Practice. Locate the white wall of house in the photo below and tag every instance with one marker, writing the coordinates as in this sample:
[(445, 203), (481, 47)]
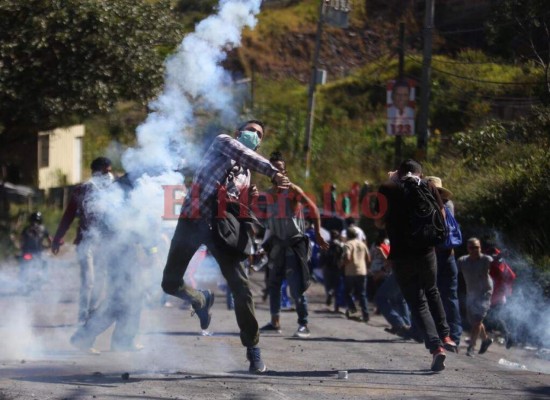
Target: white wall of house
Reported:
[(60, 156)]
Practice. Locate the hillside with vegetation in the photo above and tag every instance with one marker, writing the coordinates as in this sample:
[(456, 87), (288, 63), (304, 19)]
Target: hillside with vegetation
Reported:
[(489, 114)]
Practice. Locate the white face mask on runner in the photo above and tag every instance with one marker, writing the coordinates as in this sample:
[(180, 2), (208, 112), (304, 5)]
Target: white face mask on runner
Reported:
[(102, 180)]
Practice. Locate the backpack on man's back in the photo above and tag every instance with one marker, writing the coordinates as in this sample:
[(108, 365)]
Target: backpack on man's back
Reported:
[(454, 235), (426, 225)]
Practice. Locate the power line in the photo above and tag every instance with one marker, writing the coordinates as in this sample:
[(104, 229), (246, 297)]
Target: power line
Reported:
[(463, 62), (477, 80), (457, 32)]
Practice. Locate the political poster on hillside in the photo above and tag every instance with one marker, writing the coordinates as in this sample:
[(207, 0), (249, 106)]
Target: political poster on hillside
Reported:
[(400, 105)]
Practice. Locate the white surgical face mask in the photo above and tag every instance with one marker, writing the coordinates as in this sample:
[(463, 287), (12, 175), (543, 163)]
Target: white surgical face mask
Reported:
[(102, 180)]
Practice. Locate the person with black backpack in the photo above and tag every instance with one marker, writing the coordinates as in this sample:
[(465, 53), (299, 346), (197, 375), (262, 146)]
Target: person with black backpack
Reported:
[(223, 174), (412, 214)]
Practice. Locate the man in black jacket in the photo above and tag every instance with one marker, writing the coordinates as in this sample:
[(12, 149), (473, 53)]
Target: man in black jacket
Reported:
[(415, 267)]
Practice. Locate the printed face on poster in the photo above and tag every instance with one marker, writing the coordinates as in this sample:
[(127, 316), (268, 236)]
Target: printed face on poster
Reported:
[(400, 105)]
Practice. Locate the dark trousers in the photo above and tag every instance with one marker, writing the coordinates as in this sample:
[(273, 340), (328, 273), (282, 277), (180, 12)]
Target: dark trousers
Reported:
[(447, 283), (356, 287), (331, 276), (189, 235), (292, 272), (495, 319), (416, 276)]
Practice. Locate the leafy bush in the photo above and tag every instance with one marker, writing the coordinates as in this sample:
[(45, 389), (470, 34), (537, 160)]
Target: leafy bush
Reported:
[(501, 183)]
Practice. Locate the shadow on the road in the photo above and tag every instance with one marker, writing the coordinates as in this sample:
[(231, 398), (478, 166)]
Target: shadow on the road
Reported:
[(539, 392), (39, 326), (333, 373), (99, 379), (330, 313), (95, 379), (195, 333), (348, 340)]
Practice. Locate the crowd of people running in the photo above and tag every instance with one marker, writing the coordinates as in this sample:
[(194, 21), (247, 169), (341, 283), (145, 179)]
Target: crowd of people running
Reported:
[(414, 287)]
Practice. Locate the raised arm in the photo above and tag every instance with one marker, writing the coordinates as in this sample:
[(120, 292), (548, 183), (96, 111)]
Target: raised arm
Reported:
[(300, 196), (247, 158)]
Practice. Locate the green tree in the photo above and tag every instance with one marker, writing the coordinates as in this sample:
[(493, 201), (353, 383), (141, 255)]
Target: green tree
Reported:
[(500, 181), (62, 60), (521, 29)]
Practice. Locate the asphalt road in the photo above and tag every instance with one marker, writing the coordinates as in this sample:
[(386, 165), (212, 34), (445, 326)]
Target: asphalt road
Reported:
[(37, 361)]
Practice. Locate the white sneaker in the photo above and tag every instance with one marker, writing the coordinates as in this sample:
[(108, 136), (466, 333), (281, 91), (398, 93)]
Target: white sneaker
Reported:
[(302, 332)]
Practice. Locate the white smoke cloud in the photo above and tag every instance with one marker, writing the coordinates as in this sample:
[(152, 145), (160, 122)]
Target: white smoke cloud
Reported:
[(17, 333), (194, 78), (131, 213)]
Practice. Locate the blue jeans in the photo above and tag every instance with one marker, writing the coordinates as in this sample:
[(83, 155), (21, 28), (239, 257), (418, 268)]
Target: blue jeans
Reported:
[(416, 276), (392, 304), (285, 300), (356, 287), (293, 274), (447, 283)]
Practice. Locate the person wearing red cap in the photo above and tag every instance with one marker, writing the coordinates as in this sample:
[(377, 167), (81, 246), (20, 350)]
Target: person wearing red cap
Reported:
[(503, 277)]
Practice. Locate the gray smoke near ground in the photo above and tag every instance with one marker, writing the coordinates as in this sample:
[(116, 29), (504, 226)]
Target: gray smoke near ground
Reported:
[(131, 212), (527, 310)]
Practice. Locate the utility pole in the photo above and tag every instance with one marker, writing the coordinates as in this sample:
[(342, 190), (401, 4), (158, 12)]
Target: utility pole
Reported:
[(422, 139), (401, 51), (312, 87), (252, 88)]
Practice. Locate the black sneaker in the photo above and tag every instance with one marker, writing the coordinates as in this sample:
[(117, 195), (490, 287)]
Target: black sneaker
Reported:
[(270, 328), (485, 345), (253, 355), (438, 360), (204, 313), (470, 351), (450, 345), (302, 332), (402, 332)]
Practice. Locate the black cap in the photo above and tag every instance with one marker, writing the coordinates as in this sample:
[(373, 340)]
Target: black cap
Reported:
[(410, 165), (100, 164), (35, 217)]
